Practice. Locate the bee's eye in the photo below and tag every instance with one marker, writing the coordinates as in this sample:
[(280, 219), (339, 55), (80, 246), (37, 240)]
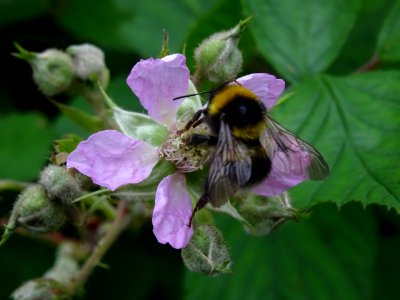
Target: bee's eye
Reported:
[(242, 110)]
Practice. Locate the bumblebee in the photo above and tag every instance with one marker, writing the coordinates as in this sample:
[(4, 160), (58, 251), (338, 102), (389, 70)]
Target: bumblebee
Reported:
[(246, 142)]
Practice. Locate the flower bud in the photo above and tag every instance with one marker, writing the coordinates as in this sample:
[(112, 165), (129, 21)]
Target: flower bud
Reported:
[(41, 288), (60, 185), (53, 70), (218, 57), (264, 214), (207, 252), (36, 212), (89, 63)]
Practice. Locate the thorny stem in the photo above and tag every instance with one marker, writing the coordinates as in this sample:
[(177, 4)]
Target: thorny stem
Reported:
[(371, 64), (121, 221)]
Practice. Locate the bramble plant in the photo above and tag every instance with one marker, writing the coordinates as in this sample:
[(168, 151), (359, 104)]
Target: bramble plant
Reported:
[(134, 167)]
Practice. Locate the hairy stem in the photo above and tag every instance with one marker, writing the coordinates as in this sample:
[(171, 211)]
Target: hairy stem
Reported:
[(96, 100), (119, 224), (13, 185), (371, 64), (197, 79)]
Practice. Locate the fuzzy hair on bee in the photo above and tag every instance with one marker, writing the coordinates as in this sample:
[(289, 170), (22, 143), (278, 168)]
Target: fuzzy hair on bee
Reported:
[(246, 141)]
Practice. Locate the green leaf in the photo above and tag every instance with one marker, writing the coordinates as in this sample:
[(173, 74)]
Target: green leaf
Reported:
[(25, 145), (132, 25), (64, 125), (13, 11), (354, 122), (83, 119), (329, 256), (388, 45), (67, 144), (361, 42), (301, 38)]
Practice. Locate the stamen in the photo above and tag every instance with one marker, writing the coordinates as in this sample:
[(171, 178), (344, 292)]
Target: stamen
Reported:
[(187, 158)]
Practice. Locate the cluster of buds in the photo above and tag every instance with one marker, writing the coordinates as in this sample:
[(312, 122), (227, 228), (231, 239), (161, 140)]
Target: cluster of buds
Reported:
[(41, 207), (55, 71)]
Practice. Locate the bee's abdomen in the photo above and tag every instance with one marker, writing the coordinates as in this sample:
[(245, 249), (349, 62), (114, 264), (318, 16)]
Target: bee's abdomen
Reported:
[(260, 163)]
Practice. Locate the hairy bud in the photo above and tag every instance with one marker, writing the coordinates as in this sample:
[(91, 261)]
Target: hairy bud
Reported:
[(89, 63), (218, 57), (264, 214), (60, 185), (53, 70), (36, 212), (207, 252)]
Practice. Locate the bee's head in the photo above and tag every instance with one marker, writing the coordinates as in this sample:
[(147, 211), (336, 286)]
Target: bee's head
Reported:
[(240, 106)]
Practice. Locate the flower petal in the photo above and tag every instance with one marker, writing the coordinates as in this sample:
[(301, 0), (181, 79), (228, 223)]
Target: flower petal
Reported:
[(156, 82), (288, 169), (191, 104), (172, 212), (267, 87), (112, 159)]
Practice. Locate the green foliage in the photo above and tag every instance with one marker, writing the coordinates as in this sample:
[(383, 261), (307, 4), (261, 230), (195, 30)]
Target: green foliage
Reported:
[(354, 122), (20, 132), (67, 144), (329, 256), (20, 10), (132, 25), (301, 38), (81, 118), (388, 40)]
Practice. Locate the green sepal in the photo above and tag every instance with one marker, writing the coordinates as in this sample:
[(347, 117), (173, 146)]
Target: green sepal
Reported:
[(146, 189), (137, 125), (67, 144)]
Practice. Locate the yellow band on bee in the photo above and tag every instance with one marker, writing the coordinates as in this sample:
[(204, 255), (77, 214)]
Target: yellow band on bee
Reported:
[(226, 95), (252, 132)]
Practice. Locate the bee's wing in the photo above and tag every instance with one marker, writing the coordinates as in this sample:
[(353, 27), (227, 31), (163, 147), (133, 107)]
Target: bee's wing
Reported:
[(293, 160), (230, 167)]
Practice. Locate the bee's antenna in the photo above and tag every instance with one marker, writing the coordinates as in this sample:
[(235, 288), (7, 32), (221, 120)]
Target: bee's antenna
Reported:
[(209, 92), (190, 95)]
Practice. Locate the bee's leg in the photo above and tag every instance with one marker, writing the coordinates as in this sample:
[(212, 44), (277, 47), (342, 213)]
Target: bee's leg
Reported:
[(198, 139), (194, 121), (199, 205)]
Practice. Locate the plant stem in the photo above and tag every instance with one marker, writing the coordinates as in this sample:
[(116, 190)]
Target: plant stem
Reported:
[(197, 79), (371, 64), (96, 100), (13, 185), (95, 193), (121, 221)]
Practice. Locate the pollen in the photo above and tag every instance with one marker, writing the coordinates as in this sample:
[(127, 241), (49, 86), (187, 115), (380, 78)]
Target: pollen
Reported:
[(186, 158)]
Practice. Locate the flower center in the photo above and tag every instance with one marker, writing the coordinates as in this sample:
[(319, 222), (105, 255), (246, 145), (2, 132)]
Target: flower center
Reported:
[(187, 158)]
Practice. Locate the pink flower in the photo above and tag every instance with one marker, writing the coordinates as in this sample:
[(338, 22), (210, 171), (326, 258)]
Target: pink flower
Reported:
[(113, 159)]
